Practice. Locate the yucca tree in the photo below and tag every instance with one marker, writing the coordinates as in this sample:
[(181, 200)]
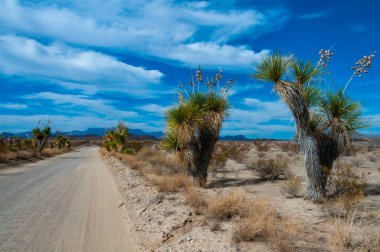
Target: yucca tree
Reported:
[(41, 136), (116, 139), (193, 126), (325, 121)]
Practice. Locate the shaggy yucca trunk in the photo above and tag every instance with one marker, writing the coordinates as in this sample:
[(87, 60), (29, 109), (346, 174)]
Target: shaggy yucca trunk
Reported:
[(205, 149), (292, 95)]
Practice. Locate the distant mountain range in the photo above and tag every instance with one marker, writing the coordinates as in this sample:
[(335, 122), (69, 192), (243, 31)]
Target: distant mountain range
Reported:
[(101, 131)]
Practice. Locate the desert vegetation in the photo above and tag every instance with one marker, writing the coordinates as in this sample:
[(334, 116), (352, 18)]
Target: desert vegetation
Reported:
[(35, 146), (325, 120)]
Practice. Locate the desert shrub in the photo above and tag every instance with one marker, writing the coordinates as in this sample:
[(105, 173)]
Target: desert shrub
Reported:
[(346, 188), (226, 207), (272, 168), (195, 200), (291, 188), (345, 235), (24, 154), (286, 146), (263, 223), (372, 158), (262, 146), (50, 152), (136, 146), (357, 162), (131, 161), (7, 156), (173, 183)]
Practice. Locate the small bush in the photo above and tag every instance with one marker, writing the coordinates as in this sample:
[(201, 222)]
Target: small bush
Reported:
[(174, 183), (346, 188), (272, 168), (345, 235), (51, 152), (357, 162), (24, 155), (131, 161), (7, 156), (372, 158), (226, 207), (195, 200), (262, 146), (291, 188), (262, 223)]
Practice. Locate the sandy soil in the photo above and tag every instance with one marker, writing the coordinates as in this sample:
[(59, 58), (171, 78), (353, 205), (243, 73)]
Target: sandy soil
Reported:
[(165, 222), (65, 203)]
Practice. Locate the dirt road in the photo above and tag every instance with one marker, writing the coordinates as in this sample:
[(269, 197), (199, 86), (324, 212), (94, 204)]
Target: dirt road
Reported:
[(65, 203)]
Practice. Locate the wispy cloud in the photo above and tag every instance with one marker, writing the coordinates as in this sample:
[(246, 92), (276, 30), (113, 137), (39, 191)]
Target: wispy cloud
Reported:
[(23, 56), (314, 15), (145, 28), (13, 106), (80, 104)]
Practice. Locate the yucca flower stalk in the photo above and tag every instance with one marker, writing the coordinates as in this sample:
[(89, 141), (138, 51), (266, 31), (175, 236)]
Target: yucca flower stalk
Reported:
[(325, 120), (193, 126)]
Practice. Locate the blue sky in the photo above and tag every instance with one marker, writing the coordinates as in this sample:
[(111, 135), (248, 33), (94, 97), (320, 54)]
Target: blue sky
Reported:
[(92, 63)]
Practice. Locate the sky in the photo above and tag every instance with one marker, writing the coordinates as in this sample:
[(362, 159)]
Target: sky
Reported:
[(91, 63)]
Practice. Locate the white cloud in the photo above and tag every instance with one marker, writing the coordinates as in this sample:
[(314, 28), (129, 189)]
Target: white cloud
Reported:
[(154, 108), (210, 55), (82, 103), (163, 29), (23, 56), (262, 118), (314, 15), (13, 106)]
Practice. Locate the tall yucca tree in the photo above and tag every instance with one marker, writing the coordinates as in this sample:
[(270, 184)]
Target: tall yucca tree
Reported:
[(325, 122), (193, 126)]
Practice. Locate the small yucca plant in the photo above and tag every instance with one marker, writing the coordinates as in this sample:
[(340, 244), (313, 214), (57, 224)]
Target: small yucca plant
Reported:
[(116, 139), (193, 126), (41, 136)]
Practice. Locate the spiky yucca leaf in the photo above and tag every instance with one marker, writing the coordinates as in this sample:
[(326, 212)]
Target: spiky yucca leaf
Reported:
[(342, 116), (312, 95), (170, 141), (272, 67), (304, 71)]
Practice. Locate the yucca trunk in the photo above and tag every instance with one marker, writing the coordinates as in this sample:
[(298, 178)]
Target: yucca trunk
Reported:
[(41, 144), (204, 150), (292, 95)]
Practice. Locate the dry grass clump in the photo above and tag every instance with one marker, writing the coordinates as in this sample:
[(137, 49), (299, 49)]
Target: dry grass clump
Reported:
[(24, 154), (345, 235), (223, 151), (173, 183), (346, 188), (272, 169), (131, 161), (372, 158), (357, 162), (7, 156), (263, 223), (287, 146), (226, 207), (292, 187), (262, 146), (195, 200), (51, 152)]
